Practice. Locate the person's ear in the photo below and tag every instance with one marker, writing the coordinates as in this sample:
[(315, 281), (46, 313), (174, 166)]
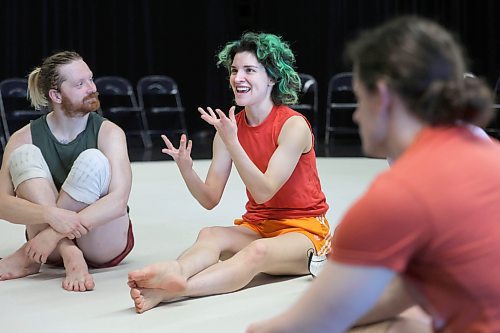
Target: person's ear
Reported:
[(385, 96), (55, 96)]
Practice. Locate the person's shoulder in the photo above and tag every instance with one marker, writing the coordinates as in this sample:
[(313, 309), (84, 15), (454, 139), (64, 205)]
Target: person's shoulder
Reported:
[(108, 125), (108, 128), (21, 136), (286, 113), (391, 194)]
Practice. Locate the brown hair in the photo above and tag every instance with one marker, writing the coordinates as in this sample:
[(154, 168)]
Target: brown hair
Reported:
[(423, 63), (47, 77)]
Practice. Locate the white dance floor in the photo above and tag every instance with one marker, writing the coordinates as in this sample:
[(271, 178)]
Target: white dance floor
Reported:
[(166, 220)]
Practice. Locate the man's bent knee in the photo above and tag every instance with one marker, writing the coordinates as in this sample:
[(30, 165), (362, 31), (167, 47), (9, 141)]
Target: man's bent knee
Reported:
[(89, 177), (27, 162)]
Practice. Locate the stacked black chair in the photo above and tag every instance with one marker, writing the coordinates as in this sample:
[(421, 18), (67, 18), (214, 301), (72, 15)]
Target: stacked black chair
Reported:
[(340, 105), (160, 98), (15, 109), (119, 104), (308, 100)]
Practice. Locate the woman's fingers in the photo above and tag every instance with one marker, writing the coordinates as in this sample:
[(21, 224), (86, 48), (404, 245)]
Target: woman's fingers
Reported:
[(167, 142)]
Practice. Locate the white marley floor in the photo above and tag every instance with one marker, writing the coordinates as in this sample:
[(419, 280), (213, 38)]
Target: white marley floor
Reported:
[(166, 221)]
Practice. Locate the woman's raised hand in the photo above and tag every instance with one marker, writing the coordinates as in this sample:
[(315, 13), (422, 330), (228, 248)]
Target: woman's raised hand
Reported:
[(181, 155)]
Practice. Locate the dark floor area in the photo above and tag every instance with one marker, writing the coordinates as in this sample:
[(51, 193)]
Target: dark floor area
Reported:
[(339, 146), (342, 146)]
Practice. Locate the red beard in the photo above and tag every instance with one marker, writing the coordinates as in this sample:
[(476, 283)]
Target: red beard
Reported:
[(89, 104)]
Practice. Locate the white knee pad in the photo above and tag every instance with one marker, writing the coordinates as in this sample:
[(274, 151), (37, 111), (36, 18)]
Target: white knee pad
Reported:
[(89, 177), (27, 162)]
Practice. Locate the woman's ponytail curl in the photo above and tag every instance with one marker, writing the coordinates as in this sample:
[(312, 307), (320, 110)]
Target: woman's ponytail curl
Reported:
[(35, 95), (478, 102), (439, 104)]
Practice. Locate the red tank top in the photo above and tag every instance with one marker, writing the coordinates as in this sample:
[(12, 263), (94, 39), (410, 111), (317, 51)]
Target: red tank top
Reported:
[(301, 195)]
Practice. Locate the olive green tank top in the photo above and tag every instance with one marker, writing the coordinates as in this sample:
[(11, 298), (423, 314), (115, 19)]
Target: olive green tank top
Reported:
[(60, 156)]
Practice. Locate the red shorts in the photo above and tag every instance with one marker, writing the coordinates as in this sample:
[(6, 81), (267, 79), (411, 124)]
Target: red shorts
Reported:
[(113, 262), (118, 259)]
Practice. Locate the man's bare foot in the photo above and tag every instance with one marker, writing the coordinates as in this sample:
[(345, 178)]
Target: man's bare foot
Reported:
[(145, 299), (17, 265), (167, 276), (77, 272), (42, 245)]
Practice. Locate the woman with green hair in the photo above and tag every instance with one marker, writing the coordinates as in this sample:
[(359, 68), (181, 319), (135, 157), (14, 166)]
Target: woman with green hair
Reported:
[(272, 148)]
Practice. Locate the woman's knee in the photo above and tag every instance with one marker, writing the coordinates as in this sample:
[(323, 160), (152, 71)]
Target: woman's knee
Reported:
[(256, 253), (211, 233)]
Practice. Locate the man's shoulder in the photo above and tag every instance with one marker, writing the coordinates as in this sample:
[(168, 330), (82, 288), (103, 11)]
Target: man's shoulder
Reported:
[(110, 129), (21, 136)]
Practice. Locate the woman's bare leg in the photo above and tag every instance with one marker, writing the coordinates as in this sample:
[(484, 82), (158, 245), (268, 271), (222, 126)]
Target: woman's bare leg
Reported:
[(261, 255), (206, 251)]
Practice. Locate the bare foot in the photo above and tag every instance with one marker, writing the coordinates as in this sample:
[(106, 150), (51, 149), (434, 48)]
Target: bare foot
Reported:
[(77, 272), (17, 265), (42, 245), (146, 299), (167, 276)]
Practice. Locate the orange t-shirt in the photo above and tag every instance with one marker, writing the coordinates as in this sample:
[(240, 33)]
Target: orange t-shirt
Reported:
[(301, 195), (434, 217)]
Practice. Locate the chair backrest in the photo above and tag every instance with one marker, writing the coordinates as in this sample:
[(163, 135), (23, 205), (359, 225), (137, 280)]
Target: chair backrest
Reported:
[(340, 90), (308, 99), (3, 140), (115, 91), (159, 90), (15, 108), (340, 105), (309, 90), (497, 93)]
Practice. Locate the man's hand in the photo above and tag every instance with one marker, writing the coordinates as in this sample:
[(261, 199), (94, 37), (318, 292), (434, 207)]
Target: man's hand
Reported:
[(42, 245), (65, 222)]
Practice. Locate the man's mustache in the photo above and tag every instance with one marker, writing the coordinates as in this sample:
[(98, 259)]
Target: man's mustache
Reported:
[(92, 95)]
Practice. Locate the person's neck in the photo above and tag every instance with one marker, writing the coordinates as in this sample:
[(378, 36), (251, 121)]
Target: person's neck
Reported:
[(65, 128), (403, 130), (256, 114)]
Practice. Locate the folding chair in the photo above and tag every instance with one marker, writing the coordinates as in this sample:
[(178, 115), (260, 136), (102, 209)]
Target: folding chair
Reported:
[(15, 109), (308, 100), (160, 98), (340, 105), (497, 94), (119, 104), (3, 141), (494, 126)]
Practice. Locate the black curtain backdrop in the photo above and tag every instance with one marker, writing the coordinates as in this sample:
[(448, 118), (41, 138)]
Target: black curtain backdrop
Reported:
[(133, 38)]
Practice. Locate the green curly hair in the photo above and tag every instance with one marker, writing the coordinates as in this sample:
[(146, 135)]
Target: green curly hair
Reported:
[(276, 57)]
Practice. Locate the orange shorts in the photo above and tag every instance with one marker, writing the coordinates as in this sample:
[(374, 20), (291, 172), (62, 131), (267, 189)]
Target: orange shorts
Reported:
[(316, 229)]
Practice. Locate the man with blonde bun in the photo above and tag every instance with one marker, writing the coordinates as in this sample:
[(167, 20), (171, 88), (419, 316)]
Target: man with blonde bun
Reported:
[(67, 177)]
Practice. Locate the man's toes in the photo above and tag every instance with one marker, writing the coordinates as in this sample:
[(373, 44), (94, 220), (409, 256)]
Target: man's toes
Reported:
[(89, 285)]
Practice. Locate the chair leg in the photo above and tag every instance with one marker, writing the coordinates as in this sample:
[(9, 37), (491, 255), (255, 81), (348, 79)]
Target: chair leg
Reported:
[(328, 125), (146, 140), (145, 135), (183, 123)]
